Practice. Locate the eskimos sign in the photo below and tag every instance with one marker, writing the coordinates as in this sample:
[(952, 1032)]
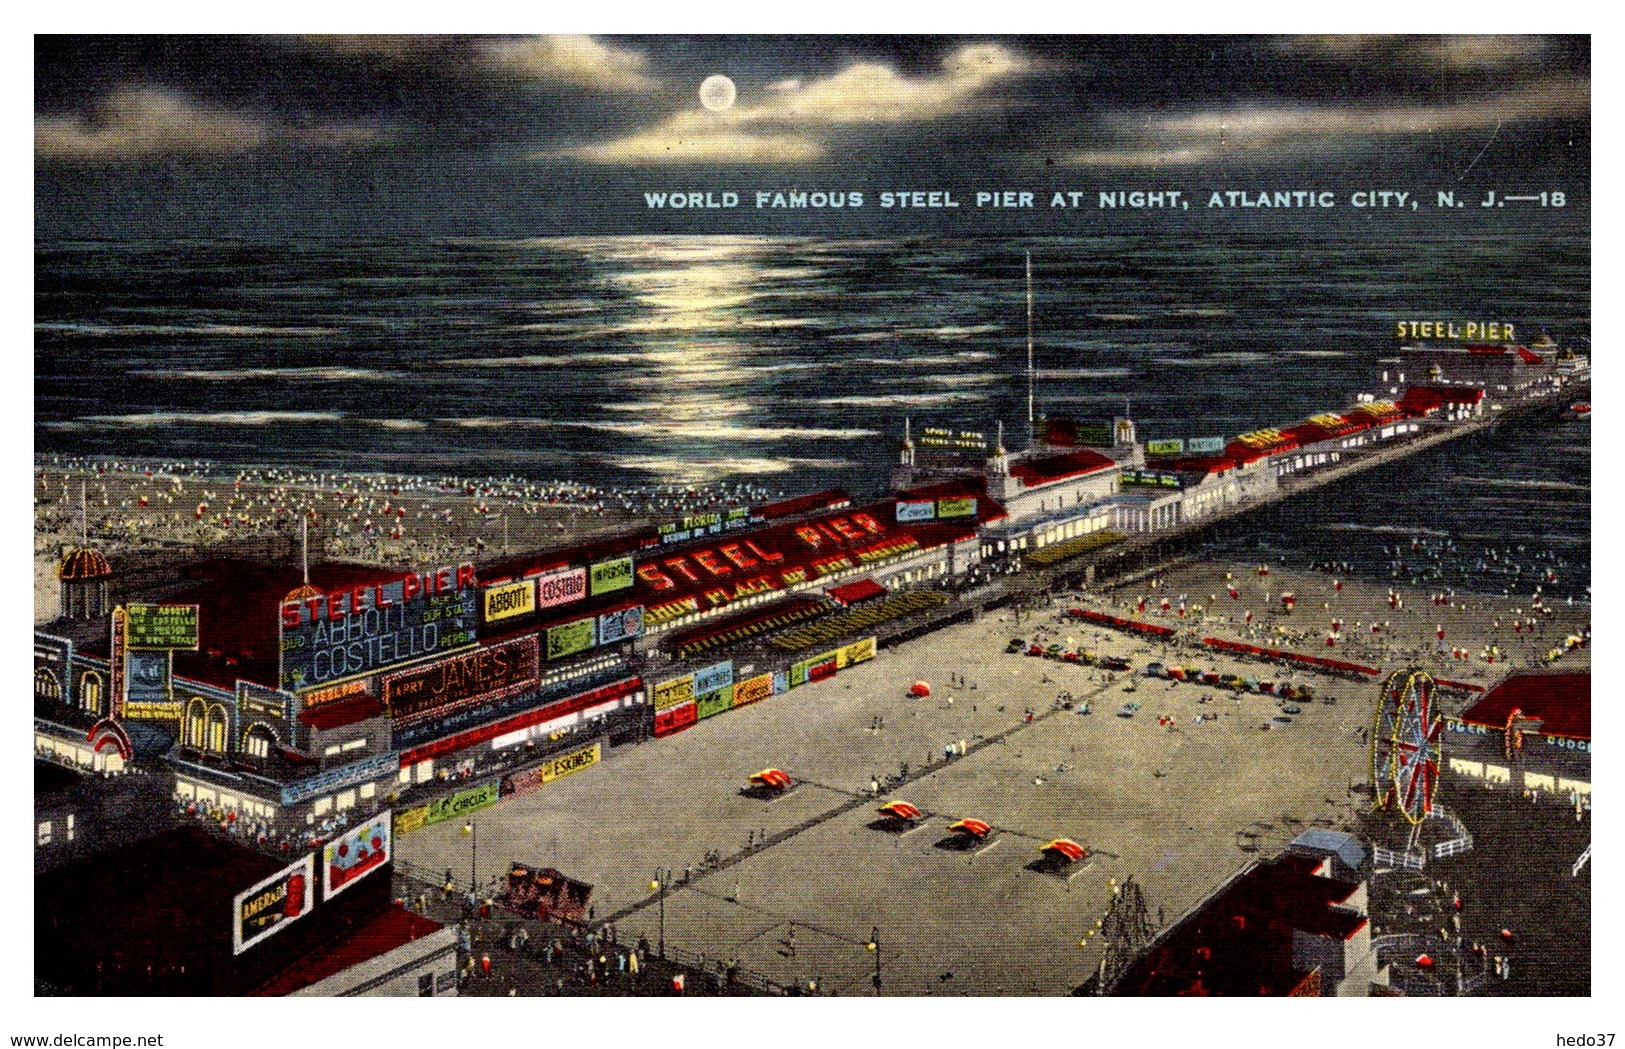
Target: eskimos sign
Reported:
[(365, 629)]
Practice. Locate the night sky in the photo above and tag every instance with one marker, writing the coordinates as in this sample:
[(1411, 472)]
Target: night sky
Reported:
[(514, 136)]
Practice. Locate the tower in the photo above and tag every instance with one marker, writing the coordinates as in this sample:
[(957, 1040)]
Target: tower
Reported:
[(83, 574)]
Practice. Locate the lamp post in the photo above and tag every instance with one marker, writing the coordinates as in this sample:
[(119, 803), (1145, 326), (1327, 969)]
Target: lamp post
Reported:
[(661, 879), (472, 832), (874, 945)]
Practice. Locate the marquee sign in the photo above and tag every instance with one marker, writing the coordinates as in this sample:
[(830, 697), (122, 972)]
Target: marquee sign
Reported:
[(147, 687), (915, 510), (160, 626), (1204, 445), (619, 626), (510, 600), (488, 673), (560, 587), (365, 629), (1171, 446), (569, 638), (608, 576), (1455, 331), (268, 907)]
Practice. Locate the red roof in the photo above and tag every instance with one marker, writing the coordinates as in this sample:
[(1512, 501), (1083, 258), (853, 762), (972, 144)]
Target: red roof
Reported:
[(392, 928), (857, 590), (829, 499), (1561, 701), (970, 486), (1033, 472), (344, 712), (1195, 464)]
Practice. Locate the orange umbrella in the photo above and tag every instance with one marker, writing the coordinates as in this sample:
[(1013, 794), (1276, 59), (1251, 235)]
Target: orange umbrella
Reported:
[(774, 778), (920, 688), (969, 826), (901, 810), (1066, 847)]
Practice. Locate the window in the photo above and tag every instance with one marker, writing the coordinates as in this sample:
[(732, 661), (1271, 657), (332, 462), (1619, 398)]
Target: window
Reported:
[(368, 791), (44, 837), (332, 750), (90, 690), (68, 826), (46, 685), (405, 776), (354, 744), (322, 807), (345, 800), (426, 985)]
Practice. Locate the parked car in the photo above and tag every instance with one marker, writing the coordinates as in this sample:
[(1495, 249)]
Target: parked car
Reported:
[(1016, 645)]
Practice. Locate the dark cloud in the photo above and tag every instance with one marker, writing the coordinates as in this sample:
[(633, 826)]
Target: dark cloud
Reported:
[(308, 118)]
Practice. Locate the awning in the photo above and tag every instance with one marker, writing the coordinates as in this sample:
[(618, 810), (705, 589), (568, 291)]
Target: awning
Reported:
[(775, 778), (1066, 847), (901, 810), (857, 590), (968, 826)]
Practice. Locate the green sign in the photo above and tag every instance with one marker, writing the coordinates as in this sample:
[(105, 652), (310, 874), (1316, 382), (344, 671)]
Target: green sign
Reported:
[(570, 638), (715, 702), (1094, 435), (1175, 446), (441, 809), (798, 672), (947, 508), (611, 575), (160, 626)]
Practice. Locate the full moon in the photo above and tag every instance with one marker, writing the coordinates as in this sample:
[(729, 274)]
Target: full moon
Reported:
[(717, 93)]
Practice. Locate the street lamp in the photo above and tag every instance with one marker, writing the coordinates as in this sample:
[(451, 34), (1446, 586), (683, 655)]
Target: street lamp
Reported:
[(472, 833), (874, 945), (662, 878)]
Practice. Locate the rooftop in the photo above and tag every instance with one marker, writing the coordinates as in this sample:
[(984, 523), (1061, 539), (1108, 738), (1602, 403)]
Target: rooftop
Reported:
[(1562, 702)]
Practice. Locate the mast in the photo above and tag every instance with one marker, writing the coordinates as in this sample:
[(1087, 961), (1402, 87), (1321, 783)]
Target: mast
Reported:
[(84, 516), (304, 545), (1032, 435)]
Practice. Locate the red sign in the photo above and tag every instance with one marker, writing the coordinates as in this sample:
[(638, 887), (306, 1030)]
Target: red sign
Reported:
[(675, 719), (484, 674)]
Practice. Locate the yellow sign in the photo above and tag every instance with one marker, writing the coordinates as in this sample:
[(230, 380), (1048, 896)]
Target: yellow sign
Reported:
[(509, 600), (1472, 331), (671, 693), (752, 689), (857, 652), (152, 711), (411, 819), (574, 761)]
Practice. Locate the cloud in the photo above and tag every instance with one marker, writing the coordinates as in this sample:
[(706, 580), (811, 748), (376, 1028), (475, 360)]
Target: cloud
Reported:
[(1203, 135), (700, 138), (578, 60), (793, 120), (148, 121), (1457, 52)]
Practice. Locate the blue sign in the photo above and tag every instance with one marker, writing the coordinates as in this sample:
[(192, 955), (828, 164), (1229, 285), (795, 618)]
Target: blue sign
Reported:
[(383, 633), (1204, 445), (922, 510), (781, 682), (343, 776), (711, 678), (618, 626), (148, 676)]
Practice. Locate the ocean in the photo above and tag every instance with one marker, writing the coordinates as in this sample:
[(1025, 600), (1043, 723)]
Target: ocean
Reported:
[(792, 362)]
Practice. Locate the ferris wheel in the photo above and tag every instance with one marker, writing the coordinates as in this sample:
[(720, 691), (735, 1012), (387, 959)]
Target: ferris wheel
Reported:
[(1405, 745)]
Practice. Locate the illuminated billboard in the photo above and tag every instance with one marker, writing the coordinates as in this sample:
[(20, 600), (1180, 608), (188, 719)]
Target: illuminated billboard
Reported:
[(956, 508), (670, 693), (1204, 445), (490, 673), (355, 854), (365, 629), (268, 907), (620, 626), (510, 600), (752, 689), (711, 678), (1172, 446), (160, 626), (569, 638), (608, 576), (715, 702), (915, 510), (462, 803), (560, 587), (147, 693)]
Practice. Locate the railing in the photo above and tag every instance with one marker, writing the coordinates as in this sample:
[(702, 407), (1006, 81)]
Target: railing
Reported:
[(1585, 857), (1384, 857)]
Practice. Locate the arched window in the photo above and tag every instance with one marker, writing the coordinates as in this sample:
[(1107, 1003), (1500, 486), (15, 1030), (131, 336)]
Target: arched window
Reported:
[(258, 741), (215, 729), (90, 691), (47, 685), (194, 723)]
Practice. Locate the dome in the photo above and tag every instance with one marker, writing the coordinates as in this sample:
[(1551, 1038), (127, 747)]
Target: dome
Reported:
[(301, 593), (83, 562)]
